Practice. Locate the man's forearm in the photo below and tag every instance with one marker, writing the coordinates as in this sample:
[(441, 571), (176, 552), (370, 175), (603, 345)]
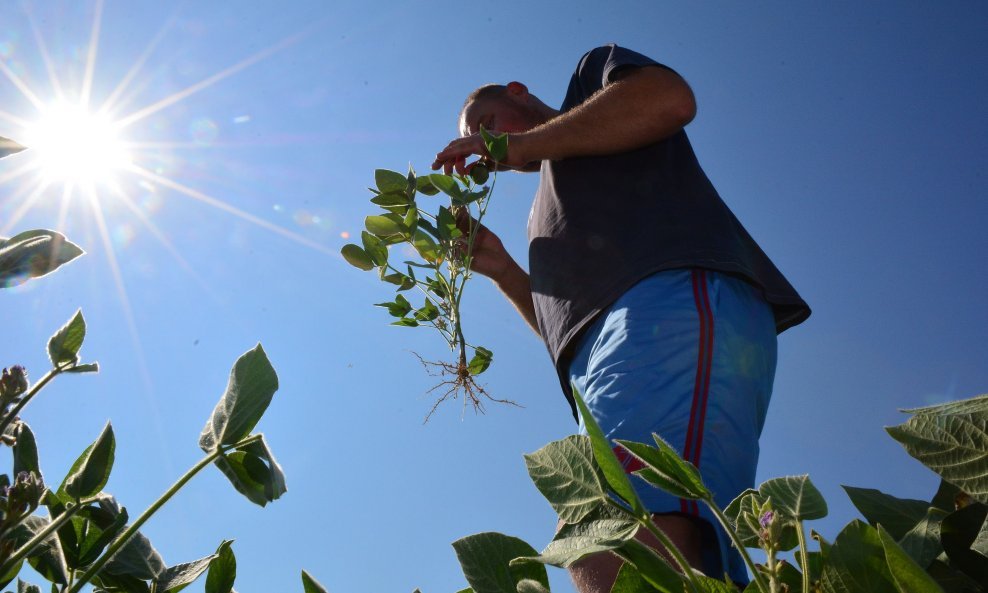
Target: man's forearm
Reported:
[(516, 286), (646, 106)]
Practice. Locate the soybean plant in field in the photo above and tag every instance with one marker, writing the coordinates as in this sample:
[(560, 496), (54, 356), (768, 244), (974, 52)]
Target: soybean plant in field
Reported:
[(443, 240), (86, 536), (902, 546)]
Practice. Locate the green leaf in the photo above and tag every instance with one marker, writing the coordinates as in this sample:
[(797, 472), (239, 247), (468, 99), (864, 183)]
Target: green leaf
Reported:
[(33, 254), (93, 529), (252, 384), (386, 225), (357, 257), (406, 322), (446, 225), (400, 280), (25, 450), (897, 515), (629, 580), (425, 245), (137, 558), (375, 248), (254, 472), (612, 469), (92, 469), (908, 576), (566, 474), (395, 202), (92, 367), (446, 184), (398, 308), (606, 528), (5, 579), (390, 181), (175, 578), (744, 513), (411, 219), (47, 559), (222, 570), (668, 471), (497, 146), (654, 569), (424, 185), (311, 585), (922, 542), (479, 174), (25, 587), (952, 440), (485, 559), (481, 360), (948, 497), (710, 585), (63, 347), (795, 496), (428, 312), (964, 535), (856, 562)]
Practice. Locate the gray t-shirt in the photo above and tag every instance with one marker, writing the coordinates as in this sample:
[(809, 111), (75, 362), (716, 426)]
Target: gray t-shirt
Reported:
[(599, 224)]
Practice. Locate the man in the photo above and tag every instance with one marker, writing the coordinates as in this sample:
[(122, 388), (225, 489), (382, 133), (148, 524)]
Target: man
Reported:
[(652, 299)]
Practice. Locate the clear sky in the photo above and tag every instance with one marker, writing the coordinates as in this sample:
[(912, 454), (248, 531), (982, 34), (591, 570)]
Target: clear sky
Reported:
[(850, 138)]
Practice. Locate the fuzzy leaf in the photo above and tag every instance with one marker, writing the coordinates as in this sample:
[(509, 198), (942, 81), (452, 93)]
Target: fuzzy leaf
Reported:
[(222, 570), (486, 562), (606, 528), (251, 386), (665, 469), (795, 496), (357, 257), (311, 585), (92, 469), (9, 147), (63, 347), (175, 578), (856, 563), (952, 440), (25, 450), (654, 569), (33, 254), (908, 576), (390, 181), (481, 360), (566, 474), (922, 542), (137, 559), (254, 472), (896, 515)]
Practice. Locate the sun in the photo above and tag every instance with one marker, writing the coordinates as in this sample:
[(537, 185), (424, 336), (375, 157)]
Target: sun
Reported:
[(73, 145)]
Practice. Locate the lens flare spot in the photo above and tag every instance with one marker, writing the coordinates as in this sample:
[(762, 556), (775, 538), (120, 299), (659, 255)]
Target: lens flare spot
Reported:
[(345, 235), (204, 131), (303, 218), (241, 119)]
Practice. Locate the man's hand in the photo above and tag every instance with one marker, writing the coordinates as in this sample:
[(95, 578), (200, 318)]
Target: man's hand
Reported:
[(490, 258), (454, 156)]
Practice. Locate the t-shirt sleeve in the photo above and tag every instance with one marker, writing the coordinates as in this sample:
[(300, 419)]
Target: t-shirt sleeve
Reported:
[(598, 66)]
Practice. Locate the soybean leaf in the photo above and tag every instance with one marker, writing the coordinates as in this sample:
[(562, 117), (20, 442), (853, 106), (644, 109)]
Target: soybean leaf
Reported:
[(566, 474), (896, 515), (254, 472), (92, 469), (667, 470), (629, 580), (400, 280), (471, 197), (744, 514), (427, 226), (654, 569), (497, 146), (25, 450), (94, 528), (446, 184), (119, 583), (446, 225), (397, 308), (390, 181), (953, 580), (9, 147), (33, 254), (137, 558), (948, 497), (385, 225), (357, 257), (951, 440), (486, 562), (612, 469), (425, 245), (375, 249), (63, 347), (393, 201), (964, 535), (908, 576), (481, 360), (411, 219), (856, 562), (795, 496), (251, 386), (922, 542), (175, 578), (222, 570), (606, 528), (406, 322), (92, 367), (311, 585), (479, 173), (47, 559), (424, 185), (710, 585), (428, 312), (11, 574)]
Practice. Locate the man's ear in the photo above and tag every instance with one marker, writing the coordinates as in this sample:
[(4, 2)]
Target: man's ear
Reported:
[(517, 90)]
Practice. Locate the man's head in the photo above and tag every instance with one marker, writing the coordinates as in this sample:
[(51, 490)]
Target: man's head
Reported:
[(503, 108)]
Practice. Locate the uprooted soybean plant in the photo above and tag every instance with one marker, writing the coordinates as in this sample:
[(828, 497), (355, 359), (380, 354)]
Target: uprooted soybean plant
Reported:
[(443, 239)]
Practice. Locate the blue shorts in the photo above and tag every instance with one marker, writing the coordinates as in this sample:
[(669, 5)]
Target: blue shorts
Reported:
[(688, 354)]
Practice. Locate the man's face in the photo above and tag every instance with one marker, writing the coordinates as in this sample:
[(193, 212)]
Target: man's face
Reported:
[(506, 114)]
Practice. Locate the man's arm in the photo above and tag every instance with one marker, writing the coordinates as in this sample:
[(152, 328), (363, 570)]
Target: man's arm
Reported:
[(515, 285), (642, 106), (645, 105)]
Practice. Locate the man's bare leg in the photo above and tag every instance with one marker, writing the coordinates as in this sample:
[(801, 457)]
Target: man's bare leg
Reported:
[(596, 574)]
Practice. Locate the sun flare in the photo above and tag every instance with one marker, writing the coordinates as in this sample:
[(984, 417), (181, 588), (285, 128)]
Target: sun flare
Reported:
[(73, 145)]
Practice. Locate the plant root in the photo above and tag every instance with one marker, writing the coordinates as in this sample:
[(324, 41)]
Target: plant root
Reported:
[(456, 381)]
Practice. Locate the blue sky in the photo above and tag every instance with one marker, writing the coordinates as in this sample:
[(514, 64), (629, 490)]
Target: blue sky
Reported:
[(851, 140)]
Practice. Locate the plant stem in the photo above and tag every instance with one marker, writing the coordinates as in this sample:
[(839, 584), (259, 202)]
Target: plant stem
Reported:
[(27, 397), (118, 543), (804, 557), (722, 519), (684, 565), (42, 535)]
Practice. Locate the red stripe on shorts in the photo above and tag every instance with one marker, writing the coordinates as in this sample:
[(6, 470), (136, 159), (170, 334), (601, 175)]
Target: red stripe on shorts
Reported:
[(701, 384)]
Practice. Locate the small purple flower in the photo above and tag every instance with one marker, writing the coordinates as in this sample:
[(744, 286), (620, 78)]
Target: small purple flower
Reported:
[(766, 519)]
